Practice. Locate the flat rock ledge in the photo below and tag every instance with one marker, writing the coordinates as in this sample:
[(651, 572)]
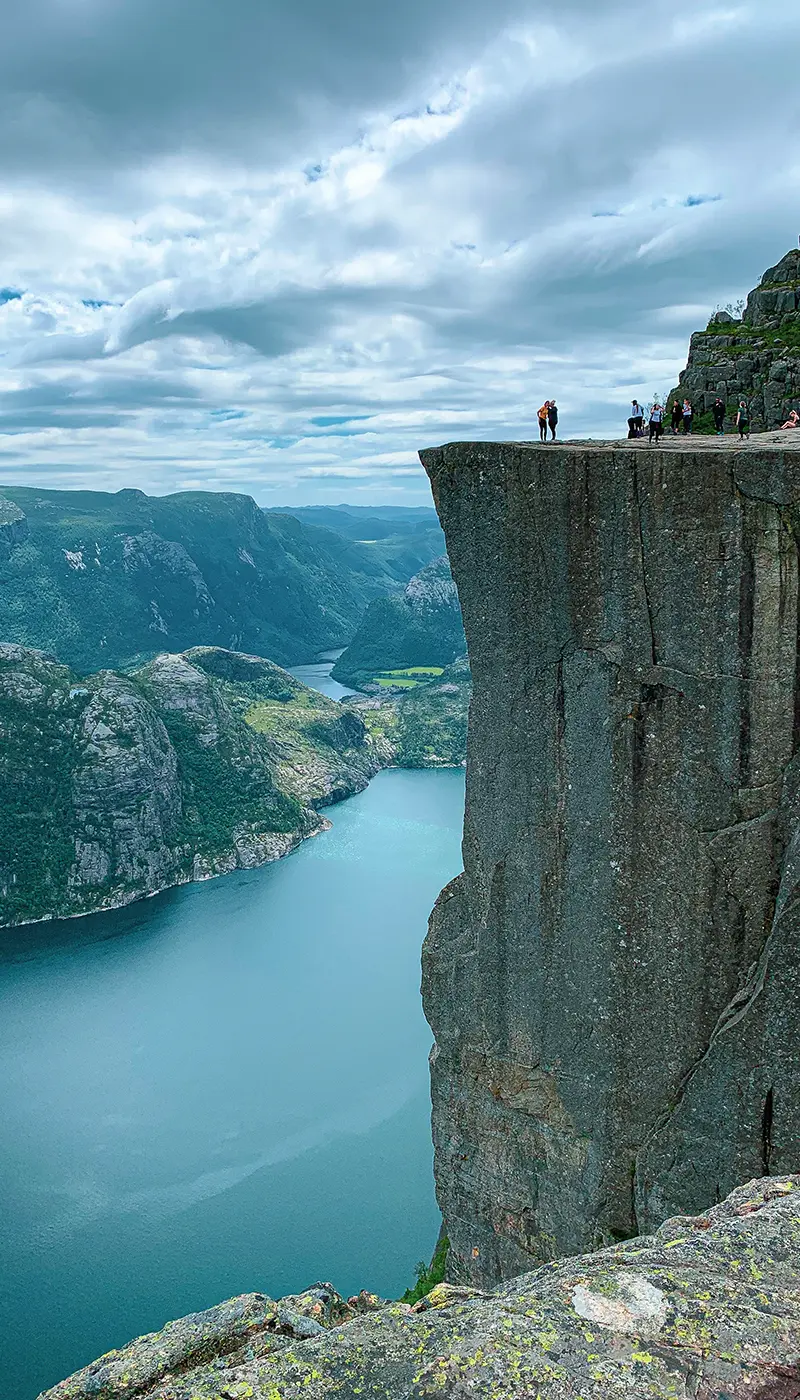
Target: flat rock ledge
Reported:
[(708, 1309)]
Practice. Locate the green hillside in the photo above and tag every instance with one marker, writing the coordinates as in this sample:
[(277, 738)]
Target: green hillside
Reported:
[(116, 786), (109, 580), (420, 627), (400, 539)]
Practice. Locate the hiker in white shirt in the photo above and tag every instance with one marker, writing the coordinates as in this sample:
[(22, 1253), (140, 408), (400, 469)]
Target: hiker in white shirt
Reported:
[(656, 422)]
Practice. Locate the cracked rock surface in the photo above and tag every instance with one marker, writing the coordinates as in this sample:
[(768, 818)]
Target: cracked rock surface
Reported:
[(707, 1308), (613, 983)]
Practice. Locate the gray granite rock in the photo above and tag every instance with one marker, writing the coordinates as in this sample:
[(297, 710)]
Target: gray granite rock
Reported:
[(612, 983), (757, 357)]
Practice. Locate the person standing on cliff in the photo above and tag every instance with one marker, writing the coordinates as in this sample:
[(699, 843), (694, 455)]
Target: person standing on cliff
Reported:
[(656, 422), (677, 416), (719, 416), (743, 418), (544, 412), (552, 418), (637, 418), (687, 413)]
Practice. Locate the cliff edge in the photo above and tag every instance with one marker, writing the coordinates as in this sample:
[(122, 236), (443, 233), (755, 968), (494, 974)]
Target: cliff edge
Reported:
[(707, 1308), (613, 982)]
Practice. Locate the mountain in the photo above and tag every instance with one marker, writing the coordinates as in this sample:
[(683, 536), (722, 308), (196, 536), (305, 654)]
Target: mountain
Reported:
[(367, 522), (108, 580), (425, 726), (116, 786), (401, 539), (756, 357), (419, 627)]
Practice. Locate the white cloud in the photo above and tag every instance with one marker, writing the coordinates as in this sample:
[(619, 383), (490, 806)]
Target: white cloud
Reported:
[(276, 269)]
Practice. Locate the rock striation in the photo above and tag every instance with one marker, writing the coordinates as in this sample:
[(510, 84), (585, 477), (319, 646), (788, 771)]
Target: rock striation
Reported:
[(613, 982), (705, 1309), (757, 357)]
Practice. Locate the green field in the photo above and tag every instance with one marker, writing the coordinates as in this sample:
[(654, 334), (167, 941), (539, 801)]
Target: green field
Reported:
[(409, 677)]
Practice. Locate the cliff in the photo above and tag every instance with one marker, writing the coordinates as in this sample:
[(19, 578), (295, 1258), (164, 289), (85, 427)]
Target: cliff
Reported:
[(418, 627), (116, 785), (613, 981), (708, 1308), (756, 357)]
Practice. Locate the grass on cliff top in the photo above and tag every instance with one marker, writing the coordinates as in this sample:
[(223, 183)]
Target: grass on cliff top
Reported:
[(746, 337)]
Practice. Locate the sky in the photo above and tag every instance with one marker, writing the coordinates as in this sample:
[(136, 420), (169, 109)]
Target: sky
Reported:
[(276, 246)]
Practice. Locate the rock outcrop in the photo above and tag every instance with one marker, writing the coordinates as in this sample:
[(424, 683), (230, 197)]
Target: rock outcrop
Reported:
[(756, 358), (707, 1308), (613, 982), (116, 785)]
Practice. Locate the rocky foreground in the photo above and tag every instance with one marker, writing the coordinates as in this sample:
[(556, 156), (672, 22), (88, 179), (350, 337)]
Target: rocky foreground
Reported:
[(706, 1309)]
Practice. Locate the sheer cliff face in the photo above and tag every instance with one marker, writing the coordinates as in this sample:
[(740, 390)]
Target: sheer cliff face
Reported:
[(613, 982)]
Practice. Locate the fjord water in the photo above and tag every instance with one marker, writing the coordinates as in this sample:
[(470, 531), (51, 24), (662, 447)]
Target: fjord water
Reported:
[(222, 1089), (317, 674)]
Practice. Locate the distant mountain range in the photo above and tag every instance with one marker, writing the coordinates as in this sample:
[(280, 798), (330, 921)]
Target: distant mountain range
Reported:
[(109, 580)]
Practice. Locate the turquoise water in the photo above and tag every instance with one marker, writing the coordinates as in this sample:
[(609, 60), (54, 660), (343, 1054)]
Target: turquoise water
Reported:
[(223, 1088), (318, 675)]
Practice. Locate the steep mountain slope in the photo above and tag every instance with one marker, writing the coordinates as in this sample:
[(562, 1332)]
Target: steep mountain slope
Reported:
[(756, 358), (117, 786), (107, 580), (419, 627)]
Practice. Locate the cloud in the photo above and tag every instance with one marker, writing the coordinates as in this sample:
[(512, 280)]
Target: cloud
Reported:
[(251, 248)]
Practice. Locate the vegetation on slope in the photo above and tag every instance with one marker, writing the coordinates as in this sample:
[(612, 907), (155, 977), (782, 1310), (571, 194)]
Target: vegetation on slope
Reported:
[(110, 580), (120, 785), (420, 627), (427, 725)]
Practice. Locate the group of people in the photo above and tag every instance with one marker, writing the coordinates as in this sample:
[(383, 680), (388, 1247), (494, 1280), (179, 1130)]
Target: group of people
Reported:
[(682, 418), (548, 418)]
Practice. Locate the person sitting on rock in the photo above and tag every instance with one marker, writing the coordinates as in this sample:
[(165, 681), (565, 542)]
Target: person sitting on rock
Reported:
[(552, 418), (718, 411), (677, 416), (793, 421), (543, 413), (743, 419)]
